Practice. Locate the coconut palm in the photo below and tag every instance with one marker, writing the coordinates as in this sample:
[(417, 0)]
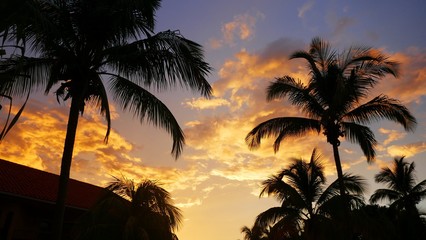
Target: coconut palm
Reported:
[(332, 99), (79, 48), (132, 210), (403, 193), (306, 208)]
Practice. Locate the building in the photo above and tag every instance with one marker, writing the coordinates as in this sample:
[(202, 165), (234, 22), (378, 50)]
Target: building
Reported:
[(27, 202)]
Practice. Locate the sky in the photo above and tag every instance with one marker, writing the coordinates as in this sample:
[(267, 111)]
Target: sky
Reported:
[(217, 180)]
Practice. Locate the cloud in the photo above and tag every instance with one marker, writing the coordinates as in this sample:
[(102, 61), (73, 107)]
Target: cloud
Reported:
[(392, 135), (305, 8), (203, 103), (242, 83), (341, 25), (407, 150), (241, 28), (413, 74), (38, 137), (215, 43)]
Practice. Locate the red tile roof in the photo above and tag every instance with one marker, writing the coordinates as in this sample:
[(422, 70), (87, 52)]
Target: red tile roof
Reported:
[(21, 181)]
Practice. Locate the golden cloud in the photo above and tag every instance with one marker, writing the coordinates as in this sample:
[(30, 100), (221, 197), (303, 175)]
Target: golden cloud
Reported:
[(411, 84), (407, 150), (392, 135), (38, 137), (241, 82), (202, 103)]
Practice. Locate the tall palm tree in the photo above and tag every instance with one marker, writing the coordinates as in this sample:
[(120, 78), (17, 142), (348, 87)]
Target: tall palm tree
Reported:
[(81, 47), (132, 211), (306, 207), (402, 192), (332, 99)]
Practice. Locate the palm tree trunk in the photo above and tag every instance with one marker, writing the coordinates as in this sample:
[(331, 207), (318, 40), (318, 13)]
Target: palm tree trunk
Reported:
[(65, 168), (338, 168)]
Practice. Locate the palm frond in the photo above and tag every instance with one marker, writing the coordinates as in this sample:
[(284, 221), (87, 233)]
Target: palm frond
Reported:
[(275, 214), (151, 195), (147, 107), (275, 186), (363, 136), (21, 75), (354, 184), (370, 64), (308, 57), (355, 187), (322, 52), (8, 126), (400, 177), (98, 95), (307, 178), (163, 60), (420, 188), (383, 107), (281, 127), (298, 94), (384, 194)]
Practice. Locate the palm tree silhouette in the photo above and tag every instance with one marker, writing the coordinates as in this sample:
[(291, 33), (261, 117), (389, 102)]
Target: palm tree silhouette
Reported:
[(256, 233), (403, 194), (132, 210), (306, 207), (86, 46), (331, 100)]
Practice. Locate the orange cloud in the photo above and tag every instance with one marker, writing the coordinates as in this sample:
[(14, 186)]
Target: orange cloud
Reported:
[(218, 140), (407, 150), (242, 27), (203, 103), (392, 135), (38, 137), (411, 84)]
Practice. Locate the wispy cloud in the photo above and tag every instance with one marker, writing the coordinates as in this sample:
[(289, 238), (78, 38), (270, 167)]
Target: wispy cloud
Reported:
[(407, 150), (392, 135), (241, 28), (202, 103), (413, 74), (305, 8)]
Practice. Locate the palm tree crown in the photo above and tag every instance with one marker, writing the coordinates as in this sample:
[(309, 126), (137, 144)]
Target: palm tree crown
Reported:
[(306, 205), (402, 191), (78, 44), (331, 99), (132, 210)]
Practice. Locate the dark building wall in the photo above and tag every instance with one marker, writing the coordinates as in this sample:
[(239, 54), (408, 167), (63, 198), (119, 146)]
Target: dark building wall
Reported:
[(27, 219)]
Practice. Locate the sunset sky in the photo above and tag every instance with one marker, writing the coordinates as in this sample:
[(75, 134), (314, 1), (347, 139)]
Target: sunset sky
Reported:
[(216, 181)]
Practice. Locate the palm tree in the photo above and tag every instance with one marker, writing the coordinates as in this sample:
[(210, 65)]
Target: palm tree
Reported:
[(331, 100), (256, 233), (402, 191), (403, 194), (132, 211), (306, 208), (80, 47)]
